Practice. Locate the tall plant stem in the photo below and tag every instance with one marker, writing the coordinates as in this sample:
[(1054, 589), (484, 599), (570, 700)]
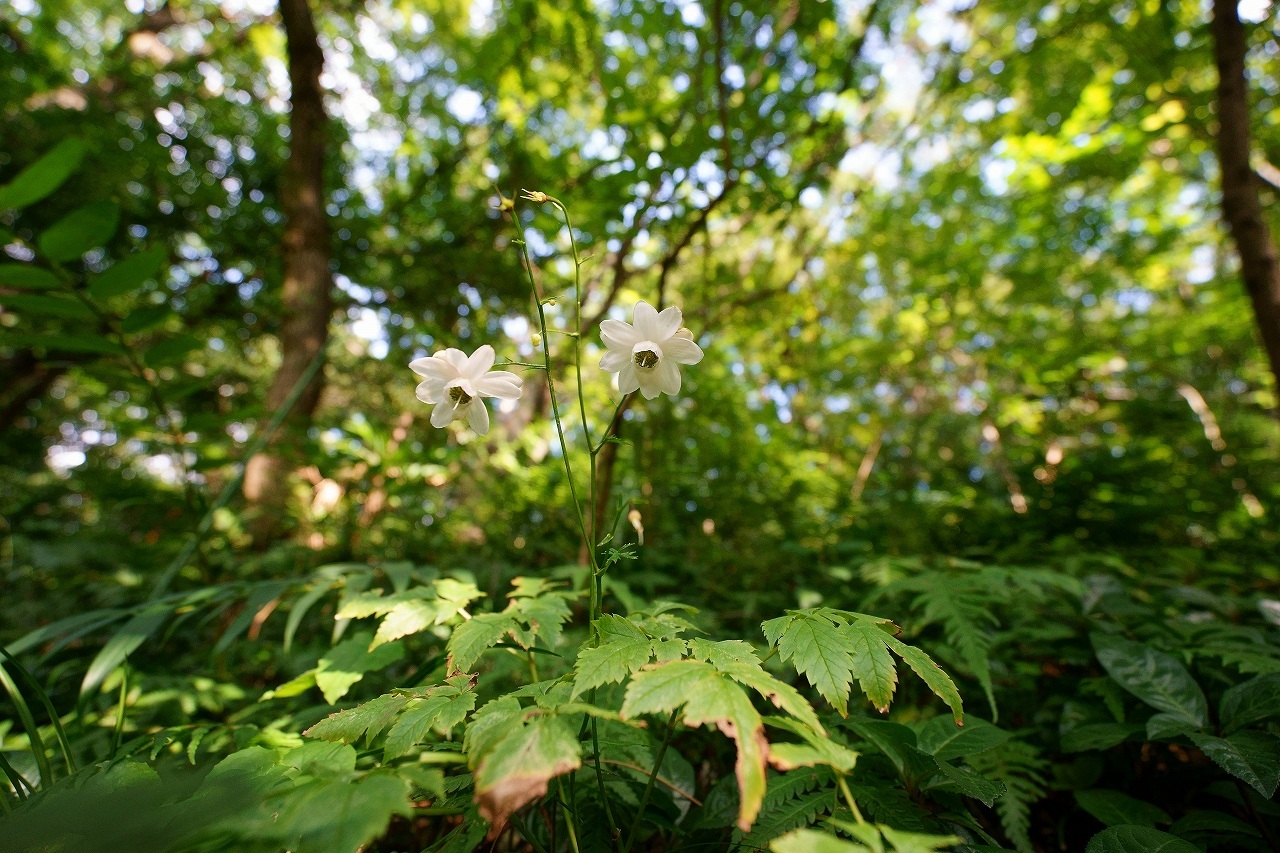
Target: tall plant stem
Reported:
[(564, 445), (653, 776)]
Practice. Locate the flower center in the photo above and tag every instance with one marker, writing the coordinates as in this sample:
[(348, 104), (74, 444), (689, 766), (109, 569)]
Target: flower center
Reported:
[(458, 394), (646, 355)]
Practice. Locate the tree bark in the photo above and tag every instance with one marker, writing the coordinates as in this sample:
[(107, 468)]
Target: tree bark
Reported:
[(1241, 206), (306, 298)]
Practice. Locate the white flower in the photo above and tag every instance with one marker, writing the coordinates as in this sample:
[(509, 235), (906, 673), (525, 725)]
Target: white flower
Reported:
[(648, 355), (456, 384)]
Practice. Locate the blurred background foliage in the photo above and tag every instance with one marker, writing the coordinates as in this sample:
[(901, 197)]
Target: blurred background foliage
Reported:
[(958, 270)]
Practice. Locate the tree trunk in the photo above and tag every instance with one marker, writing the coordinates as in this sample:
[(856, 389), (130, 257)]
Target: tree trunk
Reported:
[(306, 299), (1240, 204)]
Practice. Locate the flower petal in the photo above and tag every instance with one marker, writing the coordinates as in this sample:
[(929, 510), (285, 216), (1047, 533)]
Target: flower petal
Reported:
[(646, 321), (430, 391), (499, 383), (613, 361), (628, 379), (619, 335), (682, 350), (454, 357), (667, 323), (431, 366), (478, 417), (442, 414), (668, 373), (479, 363), (650, 385)]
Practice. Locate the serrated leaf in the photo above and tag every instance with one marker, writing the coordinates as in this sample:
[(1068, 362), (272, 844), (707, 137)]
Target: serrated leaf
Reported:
[(781, 694), (1137, 839), (545, 615), (478, 634), (944, 740), (1254, 701), (708, 697), (129, 274), (28, 277), (1156, 678), (1252, 757), (623, 649), (872, 664), (367, 720), (79, 231), (939, 682), (722, 653), (407, 617), (916, 842), (441, 709), (517, 770), (346, 663), (43, 176), (1115, 808), (818, 651), (897, 743), (817, 749)]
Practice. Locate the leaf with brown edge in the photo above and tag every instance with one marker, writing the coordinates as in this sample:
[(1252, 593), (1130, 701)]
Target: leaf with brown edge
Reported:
[(520, 765), (708, 697)]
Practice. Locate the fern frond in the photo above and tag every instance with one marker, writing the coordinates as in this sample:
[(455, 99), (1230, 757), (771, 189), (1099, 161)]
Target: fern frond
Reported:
[(1019, 766)]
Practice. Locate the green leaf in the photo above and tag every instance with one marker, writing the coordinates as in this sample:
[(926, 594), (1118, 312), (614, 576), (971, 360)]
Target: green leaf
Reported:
[(49, 304), (872, 664), (1252, 757), (623, 649), (517, 770), (171, 350), (1137, 839), (367, 720), (1252, 702), (341, 815), (723, 653), (916, 842), (347, 663), (944, 740), (1211, 823), (815, 647), (440, 709), (817, 748), (897, 743), (969, 783), (407, 617), (123, 642), (28, 277), (80, 230), (43, 176), (1156, 678), (128, 275), (1115, 808), (473, 637), (812, 841), (1164, 726), (67, 343), (144, 318), (1093, 736), (708, 697), (939, 682)]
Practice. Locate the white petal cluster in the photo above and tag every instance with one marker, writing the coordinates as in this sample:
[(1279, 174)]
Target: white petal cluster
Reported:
[(456, 385), (647, 353)]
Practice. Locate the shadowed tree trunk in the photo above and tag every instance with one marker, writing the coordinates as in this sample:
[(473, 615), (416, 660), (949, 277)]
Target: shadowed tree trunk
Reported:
[(1240, 204), (306, 300)]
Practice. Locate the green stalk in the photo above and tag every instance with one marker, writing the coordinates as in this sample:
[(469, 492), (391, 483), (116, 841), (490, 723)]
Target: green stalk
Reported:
[(848, 799), (29, 724), (564, 448), (68, 756), (16, 779), (648, 788), (118, 734)]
